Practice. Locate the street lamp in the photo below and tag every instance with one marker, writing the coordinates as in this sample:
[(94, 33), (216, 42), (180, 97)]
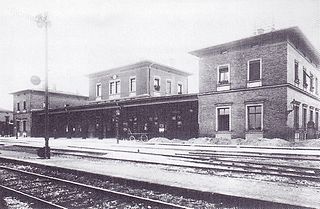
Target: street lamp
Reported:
[(42, 21), (118, 112)]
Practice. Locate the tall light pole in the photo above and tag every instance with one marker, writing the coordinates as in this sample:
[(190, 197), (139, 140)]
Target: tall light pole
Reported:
[(42, 21)]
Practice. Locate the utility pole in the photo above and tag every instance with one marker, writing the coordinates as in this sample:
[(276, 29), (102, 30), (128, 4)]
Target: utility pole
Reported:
[(42, 21)]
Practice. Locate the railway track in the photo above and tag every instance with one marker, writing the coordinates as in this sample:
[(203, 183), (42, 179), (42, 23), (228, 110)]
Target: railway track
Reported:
[(208, 163), (224, 161), (217, 161), (186, 198), (55, 192)]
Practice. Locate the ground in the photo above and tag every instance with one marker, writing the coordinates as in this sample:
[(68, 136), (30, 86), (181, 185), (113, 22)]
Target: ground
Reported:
[(278, 191)]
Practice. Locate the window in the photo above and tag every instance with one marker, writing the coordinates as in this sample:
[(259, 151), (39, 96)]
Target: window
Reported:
[(223, 120), (132, 84), (24, 105), (296, 71), (316, 84), (156, 83), (168, 87), (223, 74), (296, 117), (118, 87), (317, 121), (254, 70), (18, 106), (311, 82), (304, 118), (24, 126), (98, 90), (179, 88), (305, 84), (114, 87), (254, 114)]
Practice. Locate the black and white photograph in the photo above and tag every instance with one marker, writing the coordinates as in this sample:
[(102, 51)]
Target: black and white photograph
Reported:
[(159, 104)]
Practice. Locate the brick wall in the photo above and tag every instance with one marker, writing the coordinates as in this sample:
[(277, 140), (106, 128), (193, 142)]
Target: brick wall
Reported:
[(34, 101), (141, 83), (274, 102), (274, 62), (142, 77), (164, 76), (294, 55)]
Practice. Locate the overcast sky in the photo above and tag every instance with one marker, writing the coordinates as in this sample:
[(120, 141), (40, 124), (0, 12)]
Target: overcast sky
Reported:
[(86, 36)]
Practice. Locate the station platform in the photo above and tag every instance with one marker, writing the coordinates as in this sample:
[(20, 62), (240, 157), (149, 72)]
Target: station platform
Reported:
[(280, 192)]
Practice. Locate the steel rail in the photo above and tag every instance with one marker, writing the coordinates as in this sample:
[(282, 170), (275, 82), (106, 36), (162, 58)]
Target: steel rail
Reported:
[(268, 171), (309, 173), (32, 198), (206, 160), (200, 148), (209, 158), (224, 167), (262, 155), (121, 194)]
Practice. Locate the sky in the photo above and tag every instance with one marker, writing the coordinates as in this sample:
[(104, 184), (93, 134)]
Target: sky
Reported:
[(87, 36)]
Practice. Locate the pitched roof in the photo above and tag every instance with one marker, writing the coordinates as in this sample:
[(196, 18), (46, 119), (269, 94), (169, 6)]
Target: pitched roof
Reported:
[(145, 63), (293, 35)]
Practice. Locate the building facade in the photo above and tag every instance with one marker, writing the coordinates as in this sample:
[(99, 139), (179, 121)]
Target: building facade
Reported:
[(29, 100), (6, 122), (142, 79), (261, 86), (145, 98)]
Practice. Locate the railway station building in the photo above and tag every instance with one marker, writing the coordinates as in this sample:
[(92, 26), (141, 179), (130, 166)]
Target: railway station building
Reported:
[(143, 99), (29, 100), (262, 86)]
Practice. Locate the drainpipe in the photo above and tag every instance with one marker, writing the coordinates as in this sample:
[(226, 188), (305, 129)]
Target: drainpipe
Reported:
[(149, 78)]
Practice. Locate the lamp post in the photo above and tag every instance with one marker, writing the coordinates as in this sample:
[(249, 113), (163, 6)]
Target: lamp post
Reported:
[(42, 21), (117, 124)]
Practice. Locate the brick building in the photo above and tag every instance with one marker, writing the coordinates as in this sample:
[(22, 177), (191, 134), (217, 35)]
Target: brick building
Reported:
[(144, 98), (29, 100), (261, 86), (141, 79), (6, 122)]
